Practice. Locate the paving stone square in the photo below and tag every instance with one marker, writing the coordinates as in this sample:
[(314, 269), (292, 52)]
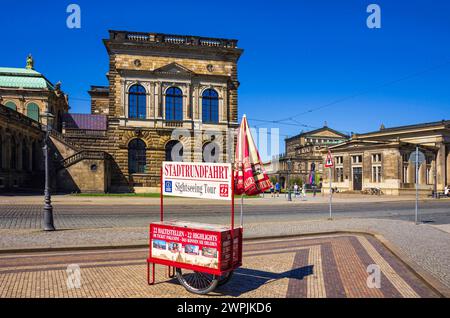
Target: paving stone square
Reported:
[(309, 267)]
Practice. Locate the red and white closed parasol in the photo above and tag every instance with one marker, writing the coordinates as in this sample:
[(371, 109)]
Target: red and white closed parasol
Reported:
[(249, 174)]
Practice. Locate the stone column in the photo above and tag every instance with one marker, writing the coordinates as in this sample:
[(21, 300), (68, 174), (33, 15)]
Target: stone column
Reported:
[(423, 173), (124, 111), (152, 108), (448, 164), (441, 171), (189, 101), (411, 173), (157, 100)]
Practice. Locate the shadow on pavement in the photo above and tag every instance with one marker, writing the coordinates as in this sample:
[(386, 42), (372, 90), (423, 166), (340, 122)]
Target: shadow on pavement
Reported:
[(245, 280)]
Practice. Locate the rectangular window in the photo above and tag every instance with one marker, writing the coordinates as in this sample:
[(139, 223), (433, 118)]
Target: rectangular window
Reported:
[(357, 159), (428, 175), (376, 158), (376, 174), (339, 160), (405, 173), (405, 157), (339, 174)]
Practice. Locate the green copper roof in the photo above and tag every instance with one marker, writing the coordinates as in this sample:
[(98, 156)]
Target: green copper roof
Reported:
[(23, 78)]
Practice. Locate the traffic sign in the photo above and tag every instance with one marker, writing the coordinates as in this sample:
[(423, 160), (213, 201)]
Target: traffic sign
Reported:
[(417, 155), (329, 162)]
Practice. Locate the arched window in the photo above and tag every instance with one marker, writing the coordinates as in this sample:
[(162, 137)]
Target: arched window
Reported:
[(137, 161), (174, 151), (13, 154), (11, 105), (33, 111), (211, 152), (174, 104), (210, 106), (137, 103)]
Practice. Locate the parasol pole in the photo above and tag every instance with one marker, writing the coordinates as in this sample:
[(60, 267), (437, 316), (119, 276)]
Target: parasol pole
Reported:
[(242, 210)]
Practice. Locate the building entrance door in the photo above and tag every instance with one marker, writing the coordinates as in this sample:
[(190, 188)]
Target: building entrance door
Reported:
[(357, 179)]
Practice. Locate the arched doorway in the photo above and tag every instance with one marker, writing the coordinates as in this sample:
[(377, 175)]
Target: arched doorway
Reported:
[(137, 159)]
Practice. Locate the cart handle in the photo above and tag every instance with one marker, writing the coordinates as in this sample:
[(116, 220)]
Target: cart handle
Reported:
[(232, 199), (162, 197)]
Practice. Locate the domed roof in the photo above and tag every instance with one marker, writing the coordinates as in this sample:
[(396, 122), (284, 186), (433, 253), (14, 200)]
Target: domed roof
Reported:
[(23, 78)]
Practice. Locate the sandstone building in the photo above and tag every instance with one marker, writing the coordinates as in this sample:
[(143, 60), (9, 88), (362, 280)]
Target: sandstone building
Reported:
[(30, 93), (304, 154), (381, 159), (170, 97), (25, 96)]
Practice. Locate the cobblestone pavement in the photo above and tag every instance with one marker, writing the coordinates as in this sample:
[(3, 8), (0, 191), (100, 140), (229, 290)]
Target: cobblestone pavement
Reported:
[(105, 216), (313, 267), (423, 244)]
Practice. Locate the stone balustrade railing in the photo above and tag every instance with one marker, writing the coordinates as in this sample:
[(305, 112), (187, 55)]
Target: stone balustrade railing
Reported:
[(84, 155), (172, 39), (173, 124), (83, 133), (18, 117)]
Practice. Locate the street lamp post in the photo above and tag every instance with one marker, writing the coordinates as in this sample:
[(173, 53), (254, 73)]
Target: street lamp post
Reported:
[(48, 208), (289, 163)]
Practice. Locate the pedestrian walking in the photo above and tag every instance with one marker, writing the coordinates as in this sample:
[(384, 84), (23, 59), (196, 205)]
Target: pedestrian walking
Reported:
[(296, 190), (272, 191), (304, 191), (277, 189)]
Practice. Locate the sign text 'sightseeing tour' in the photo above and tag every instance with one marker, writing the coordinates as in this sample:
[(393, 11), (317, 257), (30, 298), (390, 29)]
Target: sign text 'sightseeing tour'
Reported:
[(197, 180)]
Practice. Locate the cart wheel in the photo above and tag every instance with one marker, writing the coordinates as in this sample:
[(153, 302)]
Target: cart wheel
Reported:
[(225, 278), (197, 282)]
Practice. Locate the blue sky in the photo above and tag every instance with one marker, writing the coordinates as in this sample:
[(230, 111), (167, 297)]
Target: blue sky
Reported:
[(299, 55)]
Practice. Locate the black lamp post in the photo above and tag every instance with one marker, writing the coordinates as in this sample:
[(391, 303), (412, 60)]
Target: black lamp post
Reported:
[(289, 163), (48, 208)]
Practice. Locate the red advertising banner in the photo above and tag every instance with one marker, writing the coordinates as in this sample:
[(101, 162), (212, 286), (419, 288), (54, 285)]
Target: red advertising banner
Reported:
[(198, 245)]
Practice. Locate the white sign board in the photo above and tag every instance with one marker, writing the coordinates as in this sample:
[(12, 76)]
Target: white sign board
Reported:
[(197, 180)]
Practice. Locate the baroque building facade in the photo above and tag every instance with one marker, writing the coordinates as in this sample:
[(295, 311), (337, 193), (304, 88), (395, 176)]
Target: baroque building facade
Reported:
[(170, 97), (25, 96), (30, 93)]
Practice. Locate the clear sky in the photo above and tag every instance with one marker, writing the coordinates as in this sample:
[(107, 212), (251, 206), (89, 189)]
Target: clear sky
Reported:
[(299, 55)]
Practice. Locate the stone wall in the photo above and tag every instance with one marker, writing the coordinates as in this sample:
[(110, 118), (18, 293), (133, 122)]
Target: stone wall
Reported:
[(115, 143), (87, 176)]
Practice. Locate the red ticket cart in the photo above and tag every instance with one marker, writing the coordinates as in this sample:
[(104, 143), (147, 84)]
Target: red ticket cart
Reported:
[(201, 256)]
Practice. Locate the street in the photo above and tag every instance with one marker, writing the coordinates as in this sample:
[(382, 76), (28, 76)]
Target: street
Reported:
[(113, 215)]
